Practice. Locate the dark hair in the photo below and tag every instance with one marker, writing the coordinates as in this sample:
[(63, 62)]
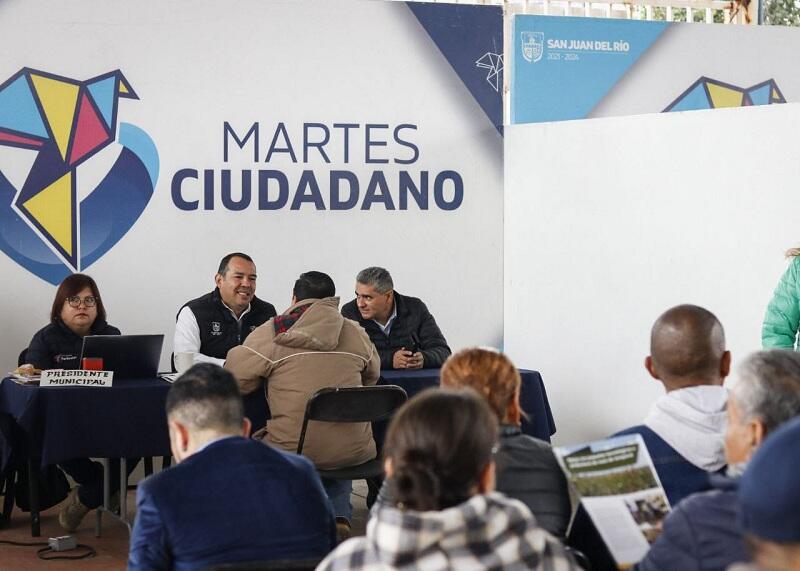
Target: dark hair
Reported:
[(313, 285), (223, 263), (206, 397), (686, 342), (72, 285), (439, 444)]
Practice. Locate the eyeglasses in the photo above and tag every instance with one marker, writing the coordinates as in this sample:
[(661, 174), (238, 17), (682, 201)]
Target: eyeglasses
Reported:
[(88, 301)]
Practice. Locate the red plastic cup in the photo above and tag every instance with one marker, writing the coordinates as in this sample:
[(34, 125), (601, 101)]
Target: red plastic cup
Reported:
[(92, 363)]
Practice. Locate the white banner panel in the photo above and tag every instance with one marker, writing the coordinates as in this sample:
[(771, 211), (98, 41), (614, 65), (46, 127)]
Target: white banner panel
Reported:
[(610, 222), (140, 142)]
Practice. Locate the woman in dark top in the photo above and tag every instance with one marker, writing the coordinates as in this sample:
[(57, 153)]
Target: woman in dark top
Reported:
[(527, 469), (77, 311)]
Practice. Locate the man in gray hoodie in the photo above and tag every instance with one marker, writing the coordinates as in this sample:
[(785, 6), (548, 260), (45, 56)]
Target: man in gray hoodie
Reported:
[(684, 431), (685, 428)]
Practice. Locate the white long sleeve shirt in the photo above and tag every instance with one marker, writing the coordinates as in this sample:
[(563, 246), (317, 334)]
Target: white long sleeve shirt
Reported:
[(187, 335)]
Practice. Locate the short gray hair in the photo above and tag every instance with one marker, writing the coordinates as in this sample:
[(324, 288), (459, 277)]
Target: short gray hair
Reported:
[(769, 387), (376, 277)]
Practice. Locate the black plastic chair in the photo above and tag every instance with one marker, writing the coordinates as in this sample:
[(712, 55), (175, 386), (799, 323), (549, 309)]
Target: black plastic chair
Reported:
[(579, 557), (271, 565), (354, 404)]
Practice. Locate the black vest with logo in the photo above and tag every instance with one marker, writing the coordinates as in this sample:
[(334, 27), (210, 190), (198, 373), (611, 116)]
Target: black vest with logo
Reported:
[(219, 329)]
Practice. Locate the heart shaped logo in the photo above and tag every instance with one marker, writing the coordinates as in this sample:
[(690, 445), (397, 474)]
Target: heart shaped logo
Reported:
[(63, 123)]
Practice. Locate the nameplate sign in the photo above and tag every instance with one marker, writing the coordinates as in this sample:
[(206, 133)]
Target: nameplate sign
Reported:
[(76, 378)]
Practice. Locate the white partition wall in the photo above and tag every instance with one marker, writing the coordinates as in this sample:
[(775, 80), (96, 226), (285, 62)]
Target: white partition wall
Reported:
[(609, 222)]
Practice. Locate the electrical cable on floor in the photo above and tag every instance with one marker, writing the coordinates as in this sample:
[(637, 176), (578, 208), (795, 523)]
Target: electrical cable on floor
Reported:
[(42, 553)]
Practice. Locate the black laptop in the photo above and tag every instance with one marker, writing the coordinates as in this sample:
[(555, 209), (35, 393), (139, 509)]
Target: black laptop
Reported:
[(129, 356)]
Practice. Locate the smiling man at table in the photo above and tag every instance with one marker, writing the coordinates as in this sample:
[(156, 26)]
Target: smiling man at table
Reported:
[(229, 498), (211, 325)]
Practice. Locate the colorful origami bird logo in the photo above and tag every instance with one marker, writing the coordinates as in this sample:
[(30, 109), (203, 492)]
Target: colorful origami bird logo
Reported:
[(67, 121), (708, 93)]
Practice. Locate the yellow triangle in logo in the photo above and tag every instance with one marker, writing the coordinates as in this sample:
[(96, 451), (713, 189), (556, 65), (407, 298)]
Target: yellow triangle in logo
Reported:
[(59, 101), (724, 96), (52, 209)]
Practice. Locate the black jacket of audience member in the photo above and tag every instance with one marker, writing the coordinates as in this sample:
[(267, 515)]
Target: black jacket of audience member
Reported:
[(56, 346), (219, 330), (413, 326), (526, 470)]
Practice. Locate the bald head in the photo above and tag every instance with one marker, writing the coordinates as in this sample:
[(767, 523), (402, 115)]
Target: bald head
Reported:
[(687, 348)]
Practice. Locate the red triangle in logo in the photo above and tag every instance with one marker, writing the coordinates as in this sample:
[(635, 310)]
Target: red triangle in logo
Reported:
[(90, 132)]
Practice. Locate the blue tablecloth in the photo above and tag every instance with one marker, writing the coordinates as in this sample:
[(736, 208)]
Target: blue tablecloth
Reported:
[(128, 419)]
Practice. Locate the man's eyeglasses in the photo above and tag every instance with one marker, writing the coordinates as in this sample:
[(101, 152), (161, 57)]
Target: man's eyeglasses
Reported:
[(88, 301)]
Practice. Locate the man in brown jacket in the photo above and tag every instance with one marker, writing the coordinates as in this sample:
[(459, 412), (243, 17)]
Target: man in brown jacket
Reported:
[(308, 347)]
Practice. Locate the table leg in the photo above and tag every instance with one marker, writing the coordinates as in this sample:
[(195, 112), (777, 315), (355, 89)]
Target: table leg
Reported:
[(123, 490), (8, 499), (98, 526), (123, 495), (33, 496)]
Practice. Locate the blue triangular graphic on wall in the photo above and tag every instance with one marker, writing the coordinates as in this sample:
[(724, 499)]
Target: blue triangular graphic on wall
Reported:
[(471, 40)]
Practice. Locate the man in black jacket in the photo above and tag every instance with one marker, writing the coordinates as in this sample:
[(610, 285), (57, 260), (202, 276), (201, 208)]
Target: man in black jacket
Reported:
[(213, 324), (401, 327)]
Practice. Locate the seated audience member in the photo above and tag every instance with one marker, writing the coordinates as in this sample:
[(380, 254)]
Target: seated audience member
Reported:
[(400, 326), (769, 501), (702, 531), (309, 347), (527, 469), (684, 430), (445, 514), (77, 311), (228, 498), (211, 325)]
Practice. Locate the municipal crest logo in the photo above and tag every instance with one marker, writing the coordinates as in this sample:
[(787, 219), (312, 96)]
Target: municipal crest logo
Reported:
[(62, 209), (216, 328), (532, 46)]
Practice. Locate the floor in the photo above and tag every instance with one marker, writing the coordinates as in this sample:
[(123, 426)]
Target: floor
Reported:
[(112, 547)]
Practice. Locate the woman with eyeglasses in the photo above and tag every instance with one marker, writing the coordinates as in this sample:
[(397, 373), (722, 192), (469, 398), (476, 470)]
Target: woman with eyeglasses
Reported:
[(77, 312), (445, 513)]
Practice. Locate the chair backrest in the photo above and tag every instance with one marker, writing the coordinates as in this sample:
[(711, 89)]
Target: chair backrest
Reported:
[(579, 557), (352, 404), (271, 565), (22, 356)]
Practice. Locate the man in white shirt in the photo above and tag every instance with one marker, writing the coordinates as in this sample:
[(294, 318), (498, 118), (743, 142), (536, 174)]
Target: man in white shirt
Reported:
[(213, 324)]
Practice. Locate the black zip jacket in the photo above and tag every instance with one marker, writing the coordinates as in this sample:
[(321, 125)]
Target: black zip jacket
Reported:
[(413, 326), (56, 346)]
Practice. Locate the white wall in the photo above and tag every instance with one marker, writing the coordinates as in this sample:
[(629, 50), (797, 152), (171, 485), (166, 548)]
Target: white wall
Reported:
[(609, 222), (194, 66)]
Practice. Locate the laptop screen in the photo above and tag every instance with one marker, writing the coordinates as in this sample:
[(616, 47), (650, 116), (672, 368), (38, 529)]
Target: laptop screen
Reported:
[(129, 356)]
